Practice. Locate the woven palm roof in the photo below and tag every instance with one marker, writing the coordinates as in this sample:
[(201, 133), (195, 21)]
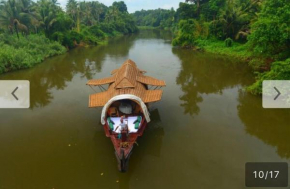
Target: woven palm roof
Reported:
[(128, 79)]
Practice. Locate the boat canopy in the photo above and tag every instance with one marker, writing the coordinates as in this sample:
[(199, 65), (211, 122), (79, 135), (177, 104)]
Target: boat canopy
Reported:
[(127, 76), (128, 79), (147, 96), (103, 81), (125, 97)]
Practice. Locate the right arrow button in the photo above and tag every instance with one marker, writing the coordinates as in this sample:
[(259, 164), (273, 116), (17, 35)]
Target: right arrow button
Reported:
[(277, 94)]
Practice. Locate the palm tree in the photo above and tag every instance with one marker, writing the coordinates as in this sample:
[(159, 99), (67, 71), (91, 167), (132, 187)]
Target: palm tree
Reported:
[(109, 15), (15, 14), (232, 19), (72, 9), (112, 14), (86, 13), (47, 11), (9, 10)]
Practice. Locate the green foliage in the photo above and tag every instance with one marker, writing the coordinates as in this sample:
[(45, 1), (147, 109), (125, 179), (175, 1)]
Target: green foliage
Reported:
[(107, 28), (186, 11), (215, 46), (270, 38), (122, 7), (155, 18), (67, 39), (271, 33), (189, 31), (26, 52), (228, 42), (96, 31), (280, 70), (88, 37), (90, 22)]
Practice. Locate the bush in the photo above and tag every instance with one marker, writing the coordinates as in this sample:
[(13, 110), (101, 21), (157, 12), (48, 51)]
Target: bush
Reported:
[(185, 37), (75, 36), (228, 42), (280, 70), (121, 27), (270, 34), (96, 31), (269, 37), (107, 28), (88, 37), (68, 38), (26, 52)]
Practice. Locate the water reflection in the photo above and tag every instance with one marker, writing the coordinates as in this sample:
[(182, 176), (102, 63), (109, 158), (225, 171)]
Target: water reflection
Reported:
[(155, 34), (269, 125), (150, 144), (57, 71), (119, 46), (205, 74)]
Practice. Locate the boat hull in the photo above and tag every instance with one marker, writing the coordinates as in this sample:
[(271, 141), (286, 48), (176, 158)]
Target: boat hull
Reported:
[(123, 150)]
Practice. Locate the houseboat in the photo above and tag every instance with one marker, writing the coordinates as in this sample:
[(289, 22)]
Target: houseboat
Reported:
[(125, 96)]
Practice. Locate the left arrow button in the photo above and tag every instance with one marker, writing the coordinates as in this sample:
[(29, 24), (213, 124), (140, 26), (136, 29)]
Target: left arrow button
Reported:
[(13, 93)]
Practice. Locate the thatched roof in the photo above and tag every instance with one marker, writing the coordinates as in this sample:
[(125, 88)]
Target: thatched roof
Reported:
[(128, 79)]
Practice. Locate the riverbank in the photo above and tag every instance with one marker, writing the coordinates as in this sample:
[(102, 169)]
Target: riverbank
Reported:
[(235, 50), (22, 53), (26, 52), (264, 67)]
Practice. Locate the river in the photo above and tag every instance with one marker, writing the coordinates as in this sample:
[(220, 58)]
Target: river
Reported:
[(203, 131)]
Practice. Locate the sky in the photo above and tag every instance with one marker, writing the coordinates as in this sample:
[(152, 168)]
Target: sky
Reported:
[(134, 5)]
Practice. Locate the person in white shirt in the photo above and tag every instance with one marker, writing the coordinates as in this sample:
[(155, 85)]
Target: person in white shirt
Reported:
[(123, 127)]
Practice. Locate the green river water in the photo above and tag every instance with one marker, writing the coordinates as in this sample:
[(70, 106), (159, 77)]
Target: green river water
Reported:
[(203, 131)]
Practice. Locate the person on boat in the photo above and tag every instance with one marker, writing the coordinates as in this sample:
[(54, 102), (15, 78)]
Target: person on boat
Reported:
[(123, 127)]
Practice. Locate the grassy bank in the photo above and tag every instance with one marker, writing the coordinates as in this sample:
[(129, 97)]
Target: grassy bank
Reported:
[(264, 67), (26, 52), (236, 50)]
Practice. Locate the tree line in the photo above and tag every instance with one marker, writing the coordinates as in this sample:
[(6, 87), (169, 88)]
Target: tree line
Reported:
[(88, 21), (32, 31), (255, 30), (161, 18)]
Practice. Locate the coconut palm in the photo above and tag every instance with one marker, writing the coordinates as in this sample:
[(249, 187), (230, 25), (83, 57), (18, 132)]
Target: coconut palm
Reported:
[(86, 13), (47, 12), (72, 9), (9, 10), (234, 18), (15, 15)]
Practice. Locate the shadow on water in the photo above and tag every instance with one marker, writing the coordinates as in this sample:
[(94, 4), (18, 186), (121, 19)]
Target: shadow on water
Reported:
[(204, 73), (150, 144), (269, 125)]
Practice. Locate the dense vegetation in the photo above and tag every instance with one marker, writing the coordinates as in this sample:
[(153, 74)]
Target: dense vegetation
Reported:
[(31, 31), (161, 18), (23, 53), (253, 30)]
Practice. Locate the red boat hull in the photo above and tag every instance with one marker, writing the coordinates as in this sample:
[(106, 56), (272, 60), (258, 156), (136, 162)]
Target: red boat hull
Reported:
[(123, 150)]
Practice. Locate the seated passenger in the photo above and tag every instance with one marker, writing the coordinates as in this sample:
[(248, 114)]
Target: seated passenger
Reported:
[(123, 127)]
